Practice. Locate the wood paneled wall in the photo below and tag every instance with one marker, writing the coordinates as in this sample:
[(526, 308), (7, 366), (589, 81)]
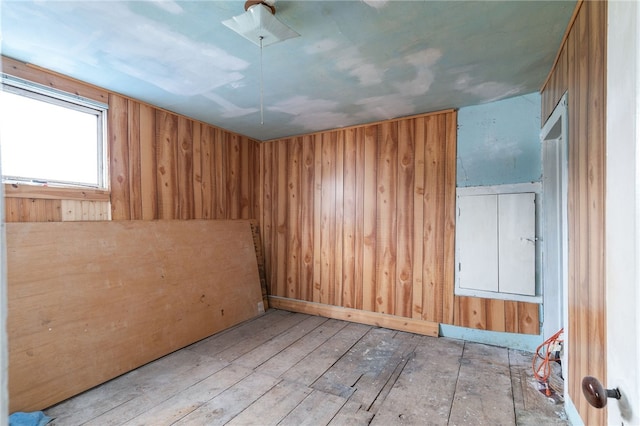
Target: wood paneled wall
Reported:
[(364, 218), (580, 70), (166, 166), (162, 166), (359, 217)]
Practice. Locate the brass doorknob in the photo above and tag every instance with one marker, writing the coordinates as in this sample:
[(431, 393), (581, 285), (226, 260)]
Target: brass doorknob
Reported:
[(596, 394)]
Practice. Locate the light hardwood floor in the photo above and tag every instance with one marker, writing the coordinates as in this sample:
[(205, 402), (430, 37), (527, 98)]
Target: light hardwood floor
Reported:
[(294, 369)]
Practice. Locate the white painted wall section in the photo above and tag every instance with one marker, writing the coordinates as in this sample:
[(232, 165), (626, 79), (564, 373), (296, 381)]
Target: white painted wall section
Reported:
[(623, 211)]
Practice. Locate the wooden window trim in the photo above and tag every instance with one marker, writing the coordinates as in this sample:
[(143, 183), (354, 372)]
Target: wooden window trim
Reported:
[(16, 190)]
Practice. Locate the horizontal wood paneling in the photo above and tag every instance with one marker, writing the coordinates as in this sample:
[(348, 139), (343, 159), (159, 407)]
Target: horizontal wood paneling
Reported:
[(580, 70), (363, 218), (117, 295), (16, 190)]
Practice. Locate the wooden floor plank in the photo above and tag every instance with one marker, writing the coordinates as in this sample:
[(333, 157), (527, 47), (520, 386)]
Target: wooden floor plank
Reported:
[(159, 386), (531, 405), (367, 360), (247, 330), (277, 344), (483, 393), (317, 409), (248, 344), (380, 367), (273, 406), (284, 368), (191, 399), (317, 362), (296, 352), (425, 388), (352, 414), (231, 402), (113, 395)]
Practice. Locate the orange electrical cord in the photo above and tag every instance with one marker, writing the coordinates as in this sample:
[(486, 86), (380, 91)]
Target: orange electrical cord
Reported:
[(543, 371)]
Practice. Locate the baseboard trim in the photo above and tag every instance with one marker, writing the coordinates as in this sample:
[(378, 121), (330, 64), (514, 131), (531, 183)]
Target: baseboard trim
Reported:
[(393, 322)]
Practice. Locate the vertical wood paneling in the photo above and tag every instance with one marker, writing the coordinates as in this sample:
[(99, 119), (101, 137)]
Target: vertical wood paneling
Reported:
[(266, 155), (317, 219), (280, 252), (135, 184), (496, 318), (417, 308), (206, 168), (595, 192), (448, 242), (405, 220), (197, 171), (119, 157), (307, 188), (339, 217), (148, 184), (349, 220), (294, 229), (365, 218), (232, 194), (528, 318), (351, 208), (432, 236), (32, 210), (219, 165), (328, 219), (185, 168), (370, 218), (358, 274), (75, 210), (387, 218), (580, 70), (161, 165), (167, 166), (245, 163)]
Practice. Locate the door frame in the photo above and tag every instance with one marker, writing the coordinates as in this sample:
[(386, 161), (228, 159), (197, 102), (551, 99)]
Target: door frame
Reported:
[(554, 139)]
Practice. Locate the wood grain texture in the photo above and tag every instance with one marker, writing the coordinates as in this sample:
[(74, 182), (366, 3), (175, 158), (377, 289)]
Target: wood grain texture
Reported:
[(161, 165), (135, 179), (377, 319), (89, 301), (374, 228), (52, 79), (580, 70), (15, 190), (119, 157), (368, 212), (74, 210)]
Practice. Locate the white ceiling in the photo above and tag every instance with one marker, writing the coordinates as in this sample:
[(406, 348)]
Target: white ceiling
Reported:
[(354, 62)]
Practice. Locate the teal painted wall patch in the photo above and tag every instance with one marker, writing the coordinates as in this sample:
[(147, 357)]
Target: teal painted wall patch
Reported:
[(498, 142)]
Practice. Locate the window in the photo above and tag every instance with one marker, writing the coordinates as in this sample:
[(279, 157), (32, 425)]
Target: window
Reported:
[(50, 137)]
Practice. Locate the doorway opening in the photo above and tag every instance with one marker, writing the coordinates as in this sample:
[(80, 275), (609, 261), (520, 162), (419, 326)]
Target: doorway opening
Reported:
[(555, 233)]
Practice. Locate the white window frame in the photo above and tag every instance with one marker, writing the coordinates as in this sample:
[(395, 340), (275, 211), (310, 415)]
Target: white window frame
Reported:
[(53, 96)]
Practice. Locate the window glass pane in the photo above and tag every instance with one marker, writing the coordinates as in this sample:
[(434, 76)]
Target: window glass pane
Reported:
[(48, 142)]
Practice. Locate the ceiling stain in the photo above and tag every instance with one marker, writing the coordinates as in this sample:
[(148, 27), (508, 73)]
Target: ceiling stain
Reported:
[(355, 61)]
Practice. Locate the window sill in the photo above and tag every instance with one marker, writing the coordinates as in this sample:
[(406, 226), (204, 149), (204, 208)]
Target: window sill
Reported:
[(16, 190)]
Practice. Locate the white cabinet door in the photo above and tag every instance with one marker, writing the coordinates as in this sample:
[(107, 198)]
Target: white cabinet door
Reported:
[(495, 237), (516, 243), (478, 238)]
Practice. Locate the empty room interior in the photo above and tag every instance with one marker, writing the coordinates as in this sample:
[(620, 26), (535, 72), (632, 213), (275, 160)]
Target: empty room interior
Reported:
[(320, 212)]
